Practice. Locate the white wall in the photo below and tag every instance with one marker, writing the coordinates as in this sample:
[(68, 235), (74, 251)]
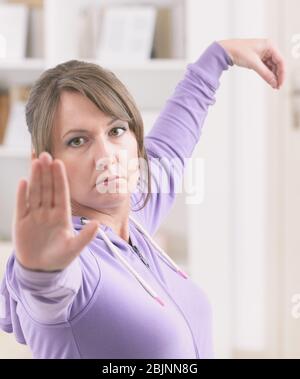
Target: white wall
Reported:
[(209, 228), (290, 257), (250, 96), (236, 236)]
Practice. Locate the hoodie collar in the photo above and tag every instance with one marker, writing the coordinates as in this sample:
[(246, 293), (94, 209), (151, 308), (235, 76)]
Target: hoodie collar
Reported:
[(108, 230)]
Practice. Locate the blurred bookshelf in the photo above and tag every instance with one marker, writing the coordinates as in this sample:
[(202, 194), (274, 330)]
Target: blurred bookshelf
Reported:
[(49, 42), (60, 30), (57, 30)]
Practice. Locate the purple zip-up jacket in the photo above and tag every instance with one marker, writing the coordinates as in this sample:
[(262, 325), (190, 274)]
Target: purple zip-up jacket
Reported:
[(96, 308)]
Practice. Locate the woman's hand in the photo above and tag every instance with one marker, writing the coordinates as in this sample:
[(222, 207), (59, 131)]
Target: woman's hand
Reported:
[(259, 55), (43, 234)]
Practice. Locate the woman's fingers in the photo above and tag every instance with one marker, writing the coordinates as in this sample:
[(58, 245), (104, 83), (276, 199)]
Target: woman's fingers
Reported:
[(278, 61), (48, 186), (47, 180), (272, 71), (260, 67), (280, 74), (61, 187), (275, 61), (34, 193), (272, 66), (21, 206)]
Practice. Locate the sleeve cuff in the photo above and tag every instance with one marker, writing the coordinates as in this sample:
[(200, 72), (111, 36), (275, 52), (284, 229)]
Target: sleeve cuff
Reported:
[(36, 281), (211, 64)]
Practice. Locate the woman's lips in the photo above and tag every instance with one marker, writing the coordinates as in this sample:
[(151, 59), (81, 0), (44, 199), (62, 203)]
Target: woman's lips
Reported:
[(110, 179)]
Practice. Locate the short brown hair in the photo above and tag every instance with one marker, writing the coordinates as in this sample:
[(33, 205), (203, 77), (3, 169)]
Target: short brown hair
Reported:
[(99, 85)]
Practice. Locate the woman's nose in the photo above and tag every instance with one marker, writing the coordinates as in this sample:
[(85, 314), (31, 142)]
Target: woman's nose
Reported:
[(103, 164), (104, 156)]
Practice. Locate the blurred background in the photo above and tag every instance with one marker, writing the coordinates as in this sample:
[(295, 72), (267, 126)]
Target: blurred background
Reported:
[(241, 242)]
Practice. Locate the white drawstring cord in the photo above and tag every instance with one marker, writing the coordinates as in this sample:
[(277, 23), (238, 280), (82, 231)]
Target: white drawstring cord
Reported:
[(178, 269), (146, 286), (121, 258)]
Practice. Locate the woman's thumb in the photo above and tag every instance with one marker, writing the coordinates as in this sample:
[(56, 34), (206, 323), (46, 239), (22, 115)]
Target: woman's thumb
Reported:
[(86, 235)]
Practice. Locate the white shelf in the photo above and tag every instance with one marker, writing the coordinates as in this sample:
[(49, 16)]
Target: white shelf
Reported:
[(22, 64), (21, 72), (34, 64), (149, 65), (151, 82), (140, 78), (9, 152)]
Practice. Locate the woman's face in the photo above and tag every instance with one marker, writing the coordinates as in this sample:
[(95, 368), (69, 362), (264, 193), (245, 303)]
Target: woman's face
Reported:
[(93, 148)]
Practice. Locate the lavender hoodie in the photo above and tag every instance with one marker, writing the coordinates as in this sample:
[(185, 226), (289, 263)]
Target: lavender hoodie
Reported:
[(96, 308)]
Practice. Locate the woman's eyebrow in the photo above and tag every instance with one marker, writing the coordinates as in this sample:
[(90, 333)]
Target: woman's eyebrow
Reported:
[(75, 130), (85, 130)]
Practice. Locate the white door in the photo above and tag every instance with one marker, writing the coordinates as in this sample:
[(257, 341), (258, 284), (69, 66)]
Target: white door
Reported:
[(291, 187), (258, 290)]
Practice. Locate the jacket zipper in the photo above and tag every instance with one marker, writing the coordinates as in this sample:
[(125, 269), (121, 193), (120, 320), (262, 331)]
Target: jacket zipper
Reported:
[(142, 258), (136, 250)]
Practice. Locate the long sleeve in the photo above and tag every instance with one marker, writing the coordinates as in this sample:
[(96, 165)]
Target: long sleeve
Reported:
[(49, 299), (46, 297), (177, 130), (49, 295)]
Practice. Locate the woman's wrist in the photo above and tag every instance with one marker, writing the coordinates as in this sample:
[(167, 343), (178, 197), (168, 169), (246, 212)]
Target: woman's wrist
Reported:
[(227, 47)]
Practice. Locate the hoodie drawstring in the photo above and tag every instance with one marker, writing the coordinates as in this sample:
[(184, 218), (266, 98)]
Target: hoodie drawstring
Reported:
[(116, 252)]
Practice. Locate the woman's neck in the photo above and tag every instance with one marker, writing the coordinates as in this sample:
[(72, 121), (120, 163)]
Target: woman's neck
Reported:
[(116, 219)]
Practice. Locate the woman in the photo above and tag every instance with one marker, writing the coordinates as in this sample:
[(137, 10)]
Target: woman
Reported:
[(106, 290)]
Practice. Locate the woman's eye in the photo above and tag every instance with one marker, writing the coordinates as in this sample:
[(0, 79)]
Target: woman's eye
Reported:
[(76, 142), (117, 134)]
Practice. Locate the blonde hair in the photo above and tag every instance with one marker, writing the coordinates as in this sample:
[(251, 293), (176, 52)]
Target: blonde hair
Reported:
[(99, 85)]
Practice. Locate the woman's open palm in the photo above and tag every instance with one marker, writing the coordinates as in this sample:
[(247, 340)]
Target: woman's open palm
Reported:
[(43, 235)]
